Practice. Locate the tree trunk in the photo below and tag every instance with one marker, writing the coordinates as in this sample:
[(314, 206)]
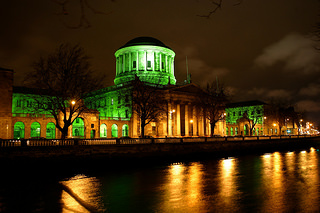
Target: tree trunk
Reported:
[(143, 124), (212, 126)]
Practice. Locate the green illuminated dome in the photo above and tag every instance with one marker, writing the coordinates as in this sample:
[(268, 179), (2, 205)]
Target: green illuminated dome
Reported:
[(148, 58)]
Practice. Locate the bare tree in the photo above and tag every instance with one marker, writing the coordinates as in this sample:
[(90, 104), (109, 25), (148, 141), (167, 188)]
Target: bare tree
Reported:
[(213, 101), (252, 120), (281, 112), (147, 103), (84, 5), (65, 79), (216, 5)]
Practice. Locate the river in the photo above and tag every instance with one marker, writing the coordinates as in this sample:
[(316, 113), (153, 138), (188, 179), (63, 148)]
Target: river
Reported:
[(268, 182)]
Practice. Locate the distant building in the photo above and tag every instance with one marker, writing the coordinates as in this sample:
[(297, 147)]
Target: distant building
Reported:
[(111, 116), (261, 118)]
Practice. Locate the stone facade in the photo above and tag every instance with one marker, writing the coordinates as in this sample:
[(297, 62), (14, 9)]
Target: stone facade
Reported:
[(111, 116)]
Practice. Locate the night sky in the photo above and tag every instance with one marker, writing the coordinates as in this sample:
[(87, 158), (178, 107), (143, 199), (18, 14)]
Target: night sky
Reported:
[(259, 49)]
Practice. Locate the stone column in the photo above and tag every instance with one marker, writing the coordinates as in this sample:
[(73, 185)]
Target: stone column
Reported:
[(178, 121), (195, 121), (160, 61), (130, 61), (200, 125), (170, 117), (137, 60), (187, 122)]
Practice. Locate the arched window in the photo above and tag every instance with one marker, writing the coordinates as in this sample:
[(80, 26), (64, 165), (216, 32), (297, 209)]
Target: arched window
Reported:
[(125, 130), (114, 131), (51, 131), (227, 131), (231, 131), (18, 130), (35, 130), (236, 131), (78, 128), (103, 131), (92, 133), (245, 129)]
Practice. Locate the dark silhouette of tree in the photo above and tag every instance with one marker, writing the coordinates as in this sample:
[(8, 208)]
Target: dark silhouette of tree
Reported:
[(216, 5), (63, 80), (281, 113), (147, 103), (213, 101), (252, 120), (84, 5)]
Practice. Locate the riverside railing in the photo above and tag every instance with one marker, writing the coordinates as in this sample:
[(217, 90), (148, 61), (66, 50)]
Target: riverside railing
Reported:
[(126, 141)]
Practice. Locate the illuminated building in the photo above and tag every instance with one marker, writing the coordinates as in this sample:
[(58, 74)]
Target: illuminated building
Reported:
[(260, 117), (111, 115)]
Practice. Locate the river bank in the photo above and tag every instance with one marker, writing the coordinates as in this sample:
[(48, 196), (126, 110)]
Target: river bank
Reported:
[(117, 153)]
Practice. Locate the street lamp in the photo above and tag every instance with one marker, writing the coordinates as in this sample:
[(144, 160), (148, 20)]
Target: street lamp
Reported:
[(73, 102), (191, 125)]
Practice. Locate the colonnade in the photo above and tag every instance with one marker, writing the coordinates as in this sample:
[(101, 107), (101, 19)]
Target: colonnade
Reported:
[(144, 61), (186, 120)]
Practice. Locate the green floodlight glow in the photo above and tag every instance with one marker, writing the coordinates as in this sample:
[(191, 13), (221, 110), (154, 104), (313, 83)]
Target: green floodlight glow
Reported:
[(152, 64), (51, 131), (253, 112), (78, 128), (114, 131), (35, 130), (18, 130)]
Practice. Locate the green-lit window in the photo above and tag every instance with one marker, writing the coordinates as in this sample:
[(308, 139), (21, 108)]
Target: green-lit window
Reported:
[(114, 131), (134, 64), (18, 131), (50, 131), (149, 65), (103, 130), (125, 130), (35, 130), (112, 101)]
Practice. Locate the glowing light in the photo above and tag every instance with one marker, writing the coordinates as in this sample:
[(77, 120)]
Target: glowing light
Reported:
[(81, 194), (73, 102), (191, 121), (267, 155)]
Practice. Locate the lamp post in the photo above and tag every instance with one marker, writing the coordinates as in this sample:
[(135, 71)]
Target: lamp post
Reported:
[(191, 127), (263, 126), (171, 120), (274, 125)]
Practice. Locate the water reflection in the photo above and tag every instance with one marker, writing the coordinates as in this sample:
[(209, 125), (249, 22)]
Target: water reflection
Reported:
[(182, 189), (228, 183), (273, 182), (308, 176), (81, 194)]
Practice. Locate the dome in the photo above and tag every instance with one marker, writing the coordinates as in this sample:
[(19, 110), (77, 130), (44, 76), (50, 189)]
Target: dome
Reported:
[(145, 41), (147, 58)]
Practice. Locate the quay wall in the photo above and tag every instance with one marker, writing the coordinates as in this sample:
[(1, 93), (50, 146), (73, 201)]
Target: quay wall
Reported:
[(153, 150)]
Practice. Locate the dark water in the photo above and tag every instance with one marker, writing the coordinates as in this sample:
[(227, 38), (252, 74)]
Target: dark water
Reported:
[(271, 182)]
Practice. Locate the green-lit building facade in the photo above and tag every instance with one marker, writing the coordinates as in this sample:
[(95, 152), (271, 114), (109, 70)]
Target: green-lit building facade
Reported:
[(111, 114)]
